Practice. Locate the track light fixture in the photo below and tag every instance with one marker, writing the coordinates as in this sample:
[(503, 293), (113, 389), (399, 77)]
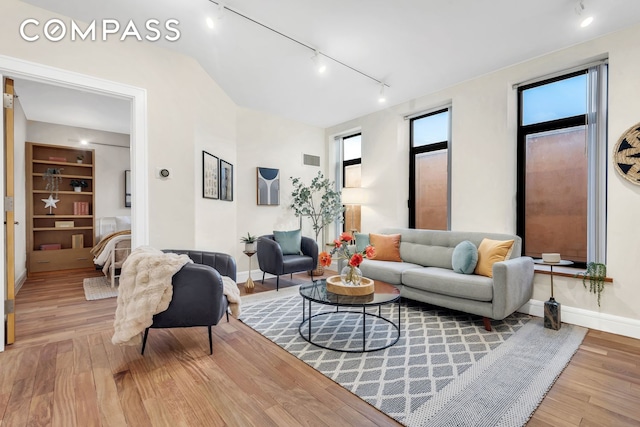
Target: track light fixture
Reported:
[(318, 57), (321, 67), (382, 98), (586, 19)]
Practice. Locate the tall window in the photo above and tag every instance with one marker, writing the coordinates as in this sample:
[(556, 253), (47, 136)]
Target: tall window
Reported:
[(429, 171), (351, 177), (562, 166)]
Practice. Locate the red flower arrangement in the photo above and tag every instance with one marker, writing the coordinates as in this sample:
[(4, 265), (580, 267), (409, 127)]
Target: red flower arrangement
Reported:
[(342, 248)]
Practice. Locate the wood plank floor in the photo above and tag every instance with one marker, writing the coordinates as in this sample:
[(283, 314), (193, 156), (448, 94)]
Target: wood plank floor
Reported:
[(64, 371)]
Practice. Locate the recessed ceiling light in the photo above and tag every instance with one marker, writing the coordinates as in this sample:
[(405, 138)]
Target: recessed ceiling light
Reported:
[(84, 142), (586, 22), (210, 23)]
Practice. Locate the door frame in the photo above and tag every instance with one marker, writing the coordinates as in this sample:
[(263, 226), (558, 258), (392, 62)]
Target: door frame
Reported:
[(19, 69)]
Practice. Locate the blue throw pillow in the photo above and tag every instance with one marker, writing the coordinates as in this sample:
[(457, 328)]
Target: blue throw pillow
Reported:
[(465, 257), (289, 241), (362, 241)]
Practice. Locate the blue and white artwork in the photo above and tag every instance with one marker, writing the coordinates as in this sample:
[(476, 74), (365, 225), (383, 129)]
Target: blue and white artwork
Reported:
[(268, 186)]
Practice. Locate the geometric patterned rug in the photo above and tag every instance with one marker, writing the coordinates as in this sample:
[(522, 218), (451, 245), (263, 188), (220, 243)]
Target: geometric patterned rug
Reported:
[(445, 370), (98, 288)]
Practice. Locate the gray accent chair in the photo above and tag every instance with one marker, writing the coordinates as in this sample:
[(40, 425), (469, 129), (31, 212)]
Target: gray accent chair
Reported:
[(198, 298), (272, 261)]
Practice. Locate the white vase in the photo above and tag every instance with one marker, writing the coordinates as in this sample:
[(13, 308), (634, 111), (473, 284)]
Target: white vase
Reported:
[(351, 276), (79, 161), (77, 189)]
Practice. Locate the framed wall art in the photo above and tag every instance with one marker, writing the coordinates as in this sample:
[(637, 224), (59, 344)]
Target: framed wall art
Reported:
[(127, 189), (268, 186), (226, 181), (210, 176)]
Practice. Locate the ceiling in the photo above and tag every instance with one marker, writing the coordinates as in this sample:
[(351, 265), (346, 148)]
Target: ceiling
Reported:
[(415, 46)]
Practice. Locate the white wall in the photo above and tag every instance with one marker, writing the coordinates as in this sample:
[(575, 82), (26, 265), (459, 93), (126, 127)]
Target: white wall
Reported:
[(110, 162), (19, 205), (484, 162), (265, 140), (184, 107)]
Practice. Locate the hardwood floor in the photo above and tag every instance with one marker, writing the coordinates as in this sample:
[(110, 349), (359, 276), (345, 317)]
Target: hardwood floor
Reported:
[(64, 371)]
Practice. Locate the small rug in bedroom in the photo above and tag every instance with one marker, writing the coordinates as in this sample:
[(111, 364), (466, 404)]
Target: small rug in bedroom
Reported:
[(445, 370), (98, 288)]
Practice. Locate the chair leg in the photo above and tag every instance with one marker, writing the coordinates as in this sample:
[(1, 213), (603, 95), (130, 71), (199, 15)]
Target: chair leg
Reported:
[(487, 323), (263, 277), (210, 341), (144, 340), (290, 276), (227, 315), (277, 282)]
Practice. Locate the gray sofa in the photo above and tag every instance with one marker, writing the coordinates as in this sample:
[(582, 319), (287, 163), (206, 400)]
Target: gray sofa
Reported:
[(426, 274)]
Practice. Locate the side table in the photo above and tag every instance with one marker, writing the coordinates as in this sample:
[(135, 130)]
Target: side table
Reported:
[(248, 285), (552, 318)]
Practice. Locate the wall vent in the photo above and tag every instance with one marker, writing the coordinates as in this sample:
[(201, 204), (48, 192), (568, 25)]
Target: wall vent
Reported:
[(310, 160)]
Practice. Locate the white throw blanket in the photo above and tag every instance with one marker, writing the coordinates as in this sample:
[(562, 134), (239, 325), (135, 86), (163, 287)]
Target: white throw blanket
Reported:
[(232, 292), (145, 289)]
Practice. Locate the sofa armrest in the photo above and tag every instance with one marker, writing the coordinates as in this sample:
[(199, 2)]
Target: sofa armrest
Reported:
[(309, 247), (270, 258), (512, 285)]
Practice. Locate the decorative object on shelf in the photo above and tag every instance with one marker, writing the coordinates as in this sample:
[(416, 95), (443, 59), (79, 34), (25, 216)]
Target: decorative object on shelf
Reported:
[(596, 273), (552, 313), (226, 181), (625, 156), (64, 224), (77, 241), (249, 242), (210, 174), (350, 275), (50, 202), (79, 158), (319, 201), (268, 186), (78, 184), (53, 178)]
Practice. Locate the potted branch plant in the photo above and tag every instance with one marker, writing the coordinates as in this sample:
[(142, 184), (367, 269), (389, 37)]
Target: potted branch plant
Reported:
[(595, 273), (78, 184), (79, 158), (320, 202), (249, 242)]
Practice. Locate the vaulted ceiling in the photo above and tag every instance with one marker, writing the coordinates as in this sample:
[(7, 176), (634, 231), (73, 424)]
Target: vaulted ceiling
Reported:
[(416, 47)]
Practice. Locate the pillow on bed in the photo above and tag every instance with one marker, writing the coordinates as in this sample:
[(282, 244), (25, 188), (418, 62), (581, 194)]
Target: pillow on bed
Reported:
[(123, 223)]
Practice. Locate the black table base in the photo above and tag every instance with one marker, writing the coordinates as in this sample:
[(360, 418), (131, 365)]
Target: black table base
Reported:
[(552, 318)]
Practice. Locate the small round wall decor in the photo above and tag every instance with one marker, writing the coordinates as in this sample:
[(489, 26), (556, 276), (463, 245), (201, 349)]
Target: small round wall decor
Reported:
[(626, 155)]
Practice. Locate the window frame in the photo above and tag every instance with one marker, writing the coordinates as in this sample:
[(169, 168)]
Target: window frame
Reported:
[(597, 108), (427, 148)]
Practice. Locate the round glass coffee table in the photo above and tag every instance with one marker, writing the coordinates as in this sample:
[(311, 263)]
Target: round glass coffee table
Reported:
[(316, 292)]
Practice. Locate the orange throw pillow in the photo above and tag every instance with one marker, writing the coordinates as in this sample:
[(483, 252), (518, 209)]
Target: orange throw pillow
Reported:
[(490, 252), (387, 246)]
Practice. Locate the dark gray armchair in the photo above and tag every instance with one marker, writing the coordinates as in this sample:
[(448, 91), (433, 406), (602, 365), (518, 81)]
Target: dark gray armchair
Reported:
[(198, 298), (272, 261)]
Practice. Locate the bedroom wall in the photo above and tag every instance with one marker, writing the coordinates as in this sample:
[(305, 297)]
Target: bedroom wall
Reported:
[(110, 161), (265, 140), (19, 205), (183, 106), (484, 165)]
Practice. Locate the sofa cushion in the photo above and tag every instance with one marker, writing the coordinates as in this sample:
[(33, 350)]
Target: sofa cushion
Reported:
[(289, 241), (464, 258), (427, 255), (362, 241), (387, 247), (386, 271), (448, 282), (490, 252)]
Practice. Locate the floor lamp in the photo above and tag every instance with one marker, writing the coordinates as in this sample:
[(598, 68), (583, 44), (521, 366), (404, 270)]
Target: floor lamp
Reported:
[(352, 197)]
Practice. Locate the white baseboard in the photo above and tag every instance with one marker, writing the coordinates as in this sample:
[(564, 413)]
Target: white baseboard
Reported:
[(589, 319), (20, 281)]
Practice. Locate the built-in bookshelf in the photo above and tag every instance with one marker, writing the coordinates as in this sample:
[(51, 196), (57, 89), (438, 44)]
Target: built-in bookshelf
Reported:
[(60, 237)]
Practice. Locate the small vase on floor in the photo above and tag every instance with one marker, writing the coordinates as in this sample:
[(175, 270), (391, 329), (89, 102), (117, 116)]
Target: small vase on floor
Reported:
[(351, 276)]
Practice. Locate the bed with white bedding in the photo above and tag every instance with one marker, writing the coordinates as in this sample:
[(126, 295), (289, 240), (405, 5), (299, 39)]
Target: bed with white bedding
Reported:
[(114, 245)]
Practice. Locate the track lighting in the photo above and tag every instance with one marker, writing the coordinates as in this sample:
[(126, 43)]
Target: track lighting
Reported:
[(210, 23), (321, 67), (580, 11), (382, 98)]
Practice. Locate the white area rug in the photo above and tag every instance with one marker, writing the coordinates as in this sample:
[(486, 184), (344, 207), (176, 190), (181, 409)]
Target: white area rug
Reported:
[(98, 288), (445, 370)]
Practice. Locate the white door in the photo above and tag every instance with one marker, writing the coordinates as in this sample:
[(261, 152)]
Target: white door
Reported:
[(2, 234)]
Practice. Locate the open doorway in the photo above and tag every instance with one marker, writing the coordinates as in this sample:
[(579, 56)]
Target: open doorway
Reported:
[(31, 72)]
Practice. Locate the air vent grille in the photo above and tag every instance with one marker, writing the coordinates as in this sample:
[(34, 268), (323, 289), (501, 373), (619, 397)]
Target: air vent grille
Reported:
[(310, 160)]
